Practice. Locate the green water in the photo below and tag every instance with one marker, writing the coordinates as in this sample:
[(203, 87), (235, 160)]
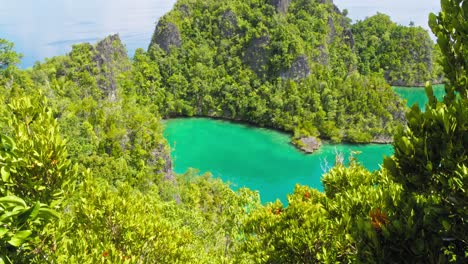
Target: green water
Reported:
[(260, 159), (417, 95)]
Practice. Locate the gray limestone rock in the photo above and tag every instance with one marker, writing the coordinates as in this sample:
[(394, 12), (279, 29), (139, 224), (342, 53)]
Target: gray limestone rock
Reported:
[(281, 5), (309, 144), (159, 153), (228, 24), (111, 58), (257, 54), (185, 10), (332, 33), (348, 37), (382, 139), (325, 1), (162, 153), (324, 57), (166, 35), (299, 69)]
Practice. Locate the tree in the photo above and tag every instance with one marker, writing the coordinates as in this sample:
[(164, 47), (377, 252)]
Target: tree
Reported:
[(8, 57), (431, 161), (404, 54), (35, 171)]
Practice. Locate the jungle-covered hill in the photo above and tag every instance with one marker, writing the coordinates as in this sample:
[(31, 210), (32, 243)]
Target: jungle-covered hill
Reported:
[(406, 55), (292, 65)]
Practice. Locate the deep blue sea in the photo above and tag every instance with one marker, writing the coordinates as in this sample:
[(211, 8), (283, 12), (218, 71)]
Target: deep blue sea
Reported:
[(46, 28)]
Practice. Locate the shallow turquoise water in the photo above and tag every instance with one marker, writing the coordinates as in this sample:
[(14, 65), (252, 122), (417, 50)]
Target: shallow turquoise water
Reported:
[(260, 159), (417, 95)]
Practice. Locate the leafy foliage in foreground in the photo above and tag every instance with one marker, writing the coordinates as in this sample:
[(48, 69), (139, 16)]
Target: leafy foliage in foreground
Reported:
[(128, 207), (35, 170), (120, 224)]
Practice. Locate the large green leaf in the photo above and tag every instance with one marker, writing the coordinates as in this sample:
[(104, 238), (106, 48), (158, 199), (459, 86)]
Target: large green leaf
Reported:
[(47, 213), (5, 171), (3, 231), (19, 238), (11, 199), (30, 214)]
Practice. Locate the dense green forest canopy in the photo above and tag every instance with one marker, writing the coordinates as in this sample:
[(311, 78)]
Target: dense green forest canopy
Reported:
[(299, 66), (405, 54), (284, 64), (86, 173)]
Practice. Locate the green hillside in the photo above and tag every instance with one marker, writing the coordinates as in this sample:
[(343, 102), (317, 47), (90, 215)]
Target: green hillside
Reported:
[(283, 64), (404, 54)]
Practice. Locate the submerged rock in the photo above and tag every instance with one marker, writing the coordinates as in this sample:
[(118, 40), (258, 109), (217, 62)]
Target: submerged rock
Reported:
[(382, 139), (308, 144)]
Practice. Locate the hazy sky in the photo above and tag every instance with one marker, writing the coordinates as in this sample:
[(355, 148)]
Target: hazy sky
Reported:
[(46, 28)]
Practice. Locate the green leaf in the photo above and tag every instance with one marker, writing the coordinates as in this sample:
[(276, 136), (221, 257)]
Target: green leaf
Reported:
[(430, 94), (445, 4), (29, 214), (11, 199), (465, 9), (7, 143), (446, 225), (432, 20), (19, 238), (47, 213), (3, 231), (5, 174)]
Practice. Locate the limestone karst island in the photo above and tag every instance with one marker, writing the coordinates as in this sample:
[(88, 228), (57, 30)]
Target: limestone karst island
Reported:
[(229, 131)]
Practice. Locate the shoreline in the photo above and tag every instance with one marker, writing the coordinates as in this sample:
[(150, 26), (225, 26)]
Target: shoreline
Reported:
[(290, 135), (416, 86)]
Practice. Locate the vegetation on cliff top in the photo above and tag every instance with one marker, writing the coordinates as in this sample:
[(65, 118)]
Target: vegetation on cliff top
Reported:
[(282, 64), (405, 55), (86, 178)]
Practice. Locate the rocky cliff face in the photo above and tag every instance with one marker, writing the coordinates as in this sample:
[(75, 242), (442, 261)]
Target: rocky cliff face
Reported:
[(162, 153), (107, 60), (166, 35), (348, 37), (299, 69), (111, 59), (281, 5), (257, 54), (260, 51), (228, 24), (332, 30)]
